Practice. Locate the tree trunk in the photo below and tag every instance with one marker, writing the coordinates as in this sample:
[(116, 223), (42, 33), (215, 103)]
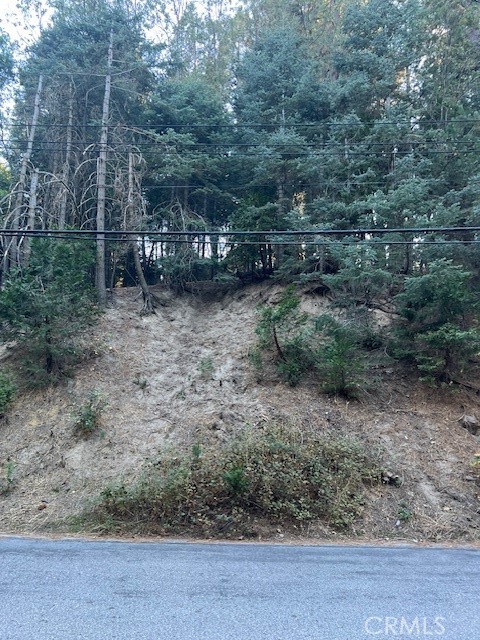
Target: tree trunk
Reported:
[(32, 206), (278, 249), (101, 184), (148, 300), (66, 167), (11, 254)]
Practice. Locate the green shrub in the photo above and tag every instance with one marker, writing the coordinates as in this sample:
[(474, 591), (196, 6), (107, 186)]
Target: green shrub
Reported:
[(444, 353), (475, 466), (360, 278), (439, 296), (283, 329), (263, 475), (87, 417), (206, 368), (7, 393), (8, 481), (329, 347), (279, 323), (237, 480), (296, 361), (405, 512)]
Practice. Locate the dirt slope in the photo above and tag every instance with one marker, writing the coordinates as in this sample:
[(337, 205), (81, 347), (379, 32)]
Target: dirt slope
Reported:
[(187, 367)]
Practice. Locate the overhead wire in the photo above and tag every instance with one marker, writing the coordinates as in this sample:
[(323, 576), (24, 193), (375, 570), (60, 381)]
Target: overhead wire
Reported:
[(186, 146), (277, 125), (298, 243), (171, 234), (337, 151), (326, 183)]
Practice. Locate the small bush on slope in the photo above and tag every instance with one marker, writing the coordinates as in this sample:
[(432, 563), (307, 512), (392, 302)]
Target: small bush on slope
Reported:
[(87, 416), (7, 393), (327, 346)]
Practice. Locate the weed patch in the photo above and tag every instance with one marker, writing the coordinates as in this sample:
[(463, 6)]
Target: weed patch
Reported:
[(7, 480)]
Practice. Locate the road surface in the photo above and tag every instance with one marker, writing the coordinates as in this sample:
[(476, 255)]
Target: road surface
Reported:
[(76, 590)]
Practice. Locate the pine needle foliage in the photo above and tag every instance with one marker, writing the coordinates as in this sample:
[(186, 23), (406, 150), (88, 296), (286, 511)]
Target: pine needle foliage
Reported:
[(45, 309), (440, 329)]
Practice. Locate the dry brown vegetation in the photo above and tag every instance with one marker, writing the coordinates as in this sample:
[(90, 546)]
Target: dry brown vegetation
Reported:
[(165, 380)]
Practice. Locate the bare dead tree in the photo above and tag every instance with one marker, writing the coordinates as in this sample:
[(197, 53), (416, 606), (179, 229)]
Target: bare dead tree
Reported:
[(32, 208), (11, 255), (132, 217), (101, 184), (66, 166)]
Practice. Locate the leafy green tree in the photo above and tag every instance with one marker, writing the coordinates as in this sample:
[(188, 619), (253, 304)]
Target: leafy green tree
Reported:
[(272, 77), (440, 295), (449, 72), (277, 91), (445, 353), (360, 279), (329, 347), (191, 134), (190, 178), (204, 41), (376, 49)]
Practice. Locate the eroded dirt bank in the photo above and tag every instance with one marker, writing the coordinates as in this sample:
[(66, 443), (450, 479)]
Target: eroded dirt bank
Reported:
[(167, 375)]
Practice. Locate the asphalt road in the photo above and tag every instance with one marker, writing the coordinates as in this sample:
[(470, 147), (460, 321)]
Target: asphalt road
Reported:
[(73, 590)]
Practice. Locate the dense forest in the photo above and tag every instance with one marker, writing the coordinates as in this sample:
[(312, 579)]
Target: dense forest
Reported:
[(324, 142)]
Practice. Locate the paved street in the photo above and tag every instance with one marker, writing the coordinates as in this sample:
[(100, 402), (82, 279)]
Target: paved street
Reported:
[(75, 590)]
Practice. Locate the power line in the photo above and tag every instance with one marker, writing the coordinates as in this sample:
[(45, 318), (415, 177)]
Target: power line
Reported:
[(226, 154), (268, 145), (387, 145), (254, 125), (110, 233), (388, 181), (256, 243), (318, 144), (326, 183)]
